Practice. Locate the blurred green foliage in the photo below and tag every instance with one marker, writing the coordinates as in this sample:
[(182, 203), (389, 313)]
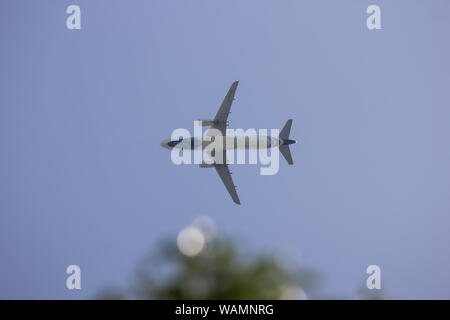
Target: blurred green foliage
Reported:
[(220, 271)]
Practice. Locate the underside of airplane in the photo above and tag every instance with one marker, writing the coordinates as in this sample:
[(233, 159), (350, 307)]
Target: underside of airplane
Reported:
[(219, 125)]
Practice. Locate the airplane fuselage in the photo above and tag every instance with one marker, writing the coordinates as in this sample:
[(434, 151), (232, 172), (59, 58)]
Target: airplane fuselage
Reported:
[(228, 143)]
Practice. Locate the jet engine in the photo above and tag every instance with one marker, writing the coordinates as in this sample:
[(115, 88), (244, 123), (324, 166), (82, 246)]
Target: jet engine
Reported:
[(206, 122), (206, 165)]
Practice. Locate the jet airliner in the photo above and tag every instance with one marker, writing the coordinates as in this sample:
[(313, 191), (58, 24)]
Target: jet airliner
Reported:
[(218, 126)]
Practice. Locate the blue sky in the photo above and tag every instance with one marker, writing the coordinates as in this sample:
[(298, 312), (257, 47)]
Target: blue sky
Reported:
[(84, 180)]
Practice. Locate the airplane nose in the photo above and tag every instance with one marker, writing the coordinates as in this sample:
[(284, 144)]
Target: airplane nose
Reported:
[(165, 144)]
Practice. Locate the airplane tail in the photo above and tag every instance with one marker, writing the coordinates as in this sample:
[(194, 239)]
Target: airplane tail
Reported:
[(284, 136)]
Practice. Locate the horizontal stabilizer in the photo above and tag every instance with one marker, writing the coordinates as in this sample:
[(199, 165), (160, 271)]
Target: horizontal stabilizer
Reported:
[(286, 154), (284, 134)]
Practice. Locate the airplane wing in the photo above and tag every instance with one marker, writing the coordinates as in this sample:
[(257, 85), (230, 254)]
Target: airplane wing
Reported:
[(225, 175), (221, 118), (221, 123)]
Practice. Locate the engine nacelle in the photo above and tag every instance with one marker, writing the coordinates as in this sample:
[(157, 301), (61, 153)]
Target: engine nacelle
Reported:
[(206, 165), (206, 122)]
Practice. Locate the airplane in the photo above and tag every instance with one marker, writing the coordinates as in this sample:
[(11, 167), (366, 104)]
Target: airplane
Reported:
[(220, 124)]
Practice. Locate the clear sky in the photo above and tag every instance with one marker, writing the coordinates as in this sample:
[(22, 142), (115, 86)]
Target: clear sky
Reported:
[(83, 179)]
